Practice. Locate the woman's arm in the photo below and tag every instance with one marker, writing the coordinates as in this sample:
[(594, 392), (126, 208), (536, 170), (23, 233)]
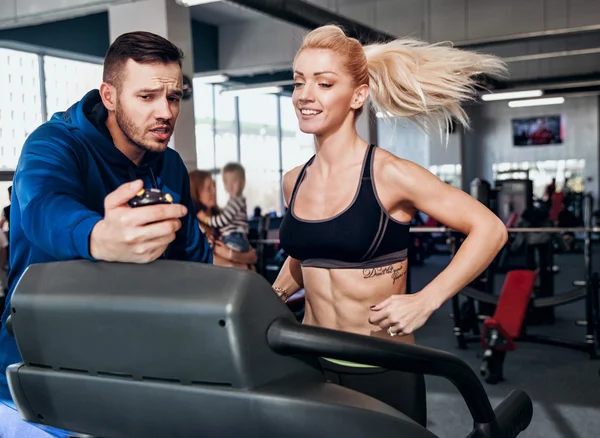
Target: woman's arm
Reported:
[(246, 258), (289, 280), (486, 234), (219, 261), (418, 189)]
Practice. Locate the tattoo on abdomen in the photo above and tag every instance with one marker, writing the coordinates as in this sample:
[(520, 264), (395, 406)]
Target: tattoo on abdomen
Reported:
[(395, 273)]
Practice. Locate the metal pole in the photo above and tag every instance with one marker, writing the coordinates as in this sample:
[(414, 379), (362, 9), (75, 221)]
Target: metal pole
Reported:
[(43, 97), (214, 127), (238, 128), (280, 143), (592, 317), (590, 280)]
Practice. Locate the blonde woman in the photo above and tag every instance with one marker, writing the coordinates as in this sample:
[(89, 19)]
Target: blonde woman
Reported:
[(346, 228)]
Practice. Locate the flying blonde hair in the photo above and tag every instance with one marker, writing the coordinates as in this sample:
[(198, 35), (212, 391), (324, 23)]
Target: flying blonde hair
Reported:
[(426, 83)]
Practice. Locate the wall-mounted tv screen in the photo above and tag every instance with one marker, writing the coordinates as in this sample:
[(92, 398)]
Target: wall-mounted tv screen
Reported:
[(536, 131)]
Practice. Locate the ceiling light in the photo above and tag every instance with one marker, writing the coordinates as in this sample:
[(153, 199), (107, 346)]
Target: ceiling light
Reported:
[(536, 102), (212, 79), (512, 95), (195, 2), (252, 90)]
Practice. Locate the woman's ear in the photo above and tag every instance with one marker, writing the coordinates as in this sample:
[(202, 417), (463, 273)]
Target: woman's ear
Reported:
[(360, 96)]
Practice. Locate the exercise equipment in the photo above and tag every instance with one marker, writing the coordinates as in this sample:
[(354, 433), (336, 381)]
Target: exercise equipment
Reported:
[(466, 330), (501, 330), (182, 349), (513, 196), (466, 326)]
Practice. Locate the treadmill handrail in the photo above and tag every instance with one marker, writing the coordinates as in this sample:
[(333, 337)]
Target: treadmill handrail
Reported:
[(289, 337)]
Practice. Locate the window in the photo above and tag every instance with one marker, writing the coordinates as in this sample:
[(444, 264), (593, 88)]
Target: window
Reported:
[(67, 81), (226, 129), (203, 111), (542, 172), (296, 146), (220, 118), (449, 173), (259, 151), (226, 149), (20, 103)]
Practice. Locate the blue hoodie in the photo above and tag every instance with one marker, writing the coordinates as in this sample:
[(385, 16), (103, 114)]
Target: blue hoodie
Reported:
[(67, 167)]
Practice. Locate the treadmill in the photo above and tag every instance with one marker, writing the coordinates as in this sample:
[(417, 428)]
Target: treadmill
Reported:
[(181, 349)]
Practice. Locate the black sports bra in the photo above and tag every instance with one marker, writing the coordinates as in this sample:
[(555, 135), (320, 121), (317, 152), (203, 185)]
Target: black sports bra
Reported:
[(361, 236)]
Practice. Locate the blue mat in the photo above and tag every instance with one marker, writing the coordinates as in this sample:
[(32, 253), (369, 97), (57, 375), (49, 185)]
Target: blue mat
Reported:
[(12, 426)]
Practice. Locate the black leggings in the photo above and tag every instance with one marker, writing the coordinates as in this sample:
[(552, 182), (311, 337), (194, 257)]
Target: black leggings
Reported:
[(400, 390)]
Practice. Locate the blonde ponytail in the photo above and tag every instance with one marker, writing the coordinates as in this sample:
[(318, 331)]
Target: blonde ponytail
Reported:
[(425, 82)]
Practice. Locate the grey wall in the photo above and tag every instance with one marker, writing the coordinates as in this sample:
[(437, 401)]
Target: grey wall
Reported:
[(30, 12), (490, 141), (83, 35), (89, 35), (260, 45), (445, 149), (404, 139), (206, 46), (264, 43), (464, 20), (408, 141)]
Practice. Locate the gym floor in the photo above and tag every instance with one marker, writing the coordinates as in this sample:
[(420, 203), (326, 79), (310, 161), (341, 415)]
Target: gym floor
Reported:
[(564, 384)]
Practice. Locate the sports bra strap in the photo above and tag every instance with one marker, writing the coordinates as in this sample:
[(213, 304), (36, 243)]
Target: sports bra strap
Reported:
[(369, 162), (299, 181)]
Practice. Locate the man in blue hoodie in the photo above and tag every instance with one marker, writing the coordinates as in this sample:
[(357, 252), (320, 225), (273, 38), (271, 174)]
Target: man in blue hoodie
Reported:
[(77, 172)]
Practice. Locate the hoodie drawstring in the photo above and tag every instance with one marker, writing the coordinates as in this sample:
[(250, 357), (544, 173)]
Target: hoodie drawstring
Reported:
[(133, 176)]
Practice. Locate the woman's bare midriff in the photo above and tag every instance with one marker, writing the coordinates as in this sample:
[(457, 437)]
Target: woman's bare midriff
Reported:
[(340, 299)]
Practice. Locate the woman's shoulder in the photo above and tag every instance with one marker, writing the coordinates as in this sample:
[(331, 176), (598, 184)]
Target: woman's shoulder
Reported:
[(289, 181), (393, 170), (387, 164)]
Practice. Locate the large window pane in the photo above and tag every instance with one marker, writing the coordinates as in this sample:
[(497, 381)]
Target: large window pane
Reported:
[(297, 147), (67, 81), (449, 173), (226, 136), (259, 150), (541, 173), (20, 103), (203, 111)]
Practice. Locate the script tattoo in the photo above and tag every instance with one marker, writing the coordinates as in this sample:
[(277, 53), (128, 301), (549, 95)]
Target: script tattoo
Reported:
[(396, 273)]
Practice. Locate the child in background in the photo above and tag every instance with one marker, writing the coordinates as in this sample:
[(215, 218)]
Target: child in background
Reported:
[(232, 223)]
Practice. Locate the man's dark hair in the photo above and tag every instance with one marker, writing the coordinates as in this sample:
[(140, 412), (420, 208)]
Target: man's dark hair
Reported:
[(9, 190), (143, 48)]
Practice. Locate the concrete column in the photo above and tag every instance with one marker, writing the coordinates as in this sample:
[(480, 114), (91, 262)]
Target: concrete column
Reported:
[(171, 21)]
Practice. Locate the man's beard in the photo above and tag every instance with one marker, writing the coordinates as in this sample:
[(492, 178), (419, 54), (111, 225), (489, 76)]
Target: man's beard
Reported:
[(134, 134)]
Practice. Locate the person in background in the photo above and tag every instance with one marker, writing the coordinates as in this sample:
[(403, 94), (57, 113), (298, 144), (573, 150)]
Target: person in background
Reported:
[(204, 196), (5, 218), (3, 269), (549, 191), (232, 222)]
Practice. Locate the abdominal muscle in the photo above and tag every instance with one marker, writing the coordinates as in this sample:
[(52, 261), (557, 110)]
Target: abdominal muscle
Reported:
[(340, 299)]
